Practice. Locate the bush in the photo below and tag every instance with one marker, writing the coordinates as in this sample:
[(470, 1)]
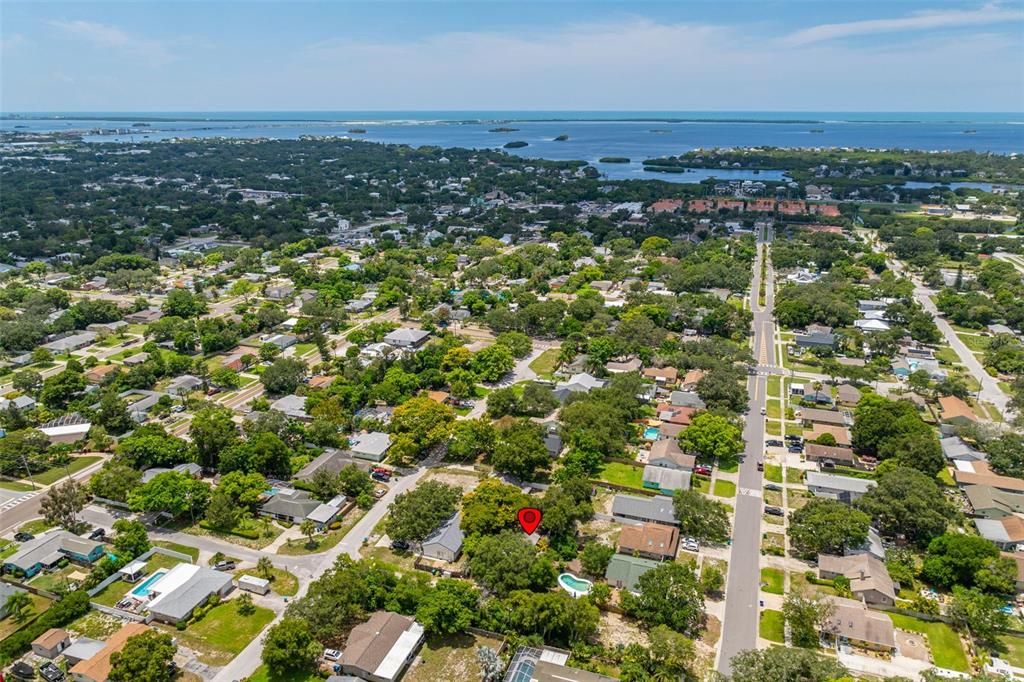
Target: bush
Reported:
[(181, 625), (285, 524), (73, 605), (248, 533), (335, 525)]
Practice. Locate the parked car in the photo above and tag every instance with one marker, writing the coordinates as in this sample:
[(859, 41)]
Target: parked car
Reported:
[(772, 486), (332, 654), (178, 408), (23, 537), (97, 534), (774, 511), (760, 466), (224, 566), (795, 448), (773, 443), (794, 439), (51, 673), (400, 545), (380, 492), (702, 469), (378, 476), (690, 545), (764, 410)]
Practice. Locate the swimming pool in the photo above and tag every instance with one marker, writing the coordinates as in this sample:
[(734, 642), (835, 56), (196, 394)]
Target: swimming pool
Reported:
[(651, 433), (577, 587), (142, 590)]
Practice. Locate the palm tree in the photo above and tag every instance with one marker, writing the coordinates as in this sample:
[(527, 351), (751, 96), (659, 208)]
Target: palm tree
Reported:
[(264, 566), (307, 528)]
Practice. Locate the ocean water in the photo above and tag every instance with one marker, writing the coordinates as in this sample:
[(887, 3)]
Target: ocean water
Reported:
[(592, 135)]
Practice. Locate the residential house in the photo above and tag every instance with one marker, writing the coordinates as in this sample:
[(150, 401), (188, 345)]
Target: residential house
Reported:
[(650, 541), (292, 405), (70, 343), (686, 399), (841, 434), (871, 325), (624, 571), (818, 398), (691, 379), (953, 410), (816, 339), (97, 667), (623, 367), (380, 649), (280, 292), (96, 375), (47, 550), (282, 341), (183, 589), (869, 579), (810, 416), (51, 643), (544, 665), (955, 448), (1006, 532), (82, 649), (406, 337), (662, 376), (445, 543), (980, 473), (841, 488), (666, 481), (666, 453), (851, 623), (827, 456), (991, 503), (848, 394), (675, 415), (188, 468), (331, 460), (147, 316), (658, 509), (296, 506), (372, 446), (872, 546), (669, 430)]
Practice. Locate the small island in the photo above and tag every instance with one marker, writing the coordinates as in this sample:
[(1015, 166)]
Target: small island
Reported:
[(503, 130), (660, 131), (561, 138), (817, 130), (357, 131), (140, 125), (613, 159), (516, 144)]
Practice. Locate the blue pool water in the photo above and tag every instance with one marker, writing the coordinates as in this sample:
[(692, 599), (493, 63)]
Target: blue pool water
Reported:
[(651, 433), (142, 590)]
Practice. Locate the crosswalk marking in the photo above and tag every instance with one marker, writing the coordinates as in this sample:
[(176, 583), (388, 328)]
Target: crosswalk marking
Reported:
[(18, 500), (750, 492)]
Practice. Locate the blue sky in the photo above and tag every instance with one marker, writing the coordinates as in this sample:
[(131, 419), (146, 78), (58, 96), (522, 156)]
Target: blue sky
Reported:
[(812, 55)]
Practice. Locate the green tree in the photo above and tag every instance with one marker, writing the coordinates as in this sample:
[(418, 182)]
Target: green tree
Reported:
[(980, 613), (308, 528), (265, 566), (711, 435), (18, 606), (130, 538), (221, 512), (907, 502), (805, 614), (825, 526), (148, 657), (672, 653), (289, 647), (419, 424), (355, 481), (264, 453), (115, 480), (701, 517), (958, 559), (508, 562), (151, 446), (283, 376), (172, 492), (27, 381), (244, 604), (62, 389), (519, 450), (491, 507), (449, 608), (63, 503), (782, 664), (416, 514), (113, 414), (243, 489), (183, 303), (669, 594), (711, 579), (595, 557), (470, 439), (517, 343)]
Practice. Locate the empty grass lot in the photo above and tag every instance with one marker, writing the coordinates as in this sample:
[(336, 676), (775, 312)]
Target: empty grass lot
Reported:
[(450, 657), (947, 651), (1014, 650), (701, 484), (725, 488), (223, 633), (622, 474), (58, 472), (772, 580), (545, 363), (773, 473), (264, 675), (772, 626)]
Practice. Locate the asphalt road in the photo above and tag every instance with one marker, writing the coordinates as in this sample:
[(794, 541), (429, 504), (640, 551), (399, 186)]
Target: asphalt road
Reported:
[(30, 507), (739, 627)]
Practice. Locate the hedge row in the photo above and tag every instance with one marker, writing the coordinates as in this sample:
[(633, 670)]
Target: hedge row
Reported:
[(73, 605)]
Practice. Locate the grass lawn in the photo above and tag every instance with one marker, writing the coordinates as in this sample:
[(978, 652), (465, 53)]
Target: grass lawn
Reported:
[(725, 488), (36, 527), (974, 342), (947, 651), (95, 625), (772, 626), (7, 548), (9, 626), (321, 541), (774, 409), (451, 657), (622, 474), (58, 472), (263, 675), (281, 581), (773, 473), (701, 484), (796, 499), (17, 486), (794, 430), (1014, 650), (545, 363), (798, 582), (729, 465), (794, 475), (56, 581), (945, 479), (773, 428), (774, 385), (947, 355), (772, 580), (178, 547), (773, 498), (223, 633), (303, 348)]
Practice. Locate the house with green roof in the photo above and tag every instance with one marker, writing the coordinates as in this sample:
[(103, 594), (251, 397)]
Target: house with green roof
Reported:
[(624, 571)]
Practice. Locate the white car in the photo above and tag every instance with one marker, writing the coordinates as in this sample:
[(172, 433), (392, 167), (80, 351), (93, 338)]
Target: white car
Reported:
[(690, 545), (332, 654)]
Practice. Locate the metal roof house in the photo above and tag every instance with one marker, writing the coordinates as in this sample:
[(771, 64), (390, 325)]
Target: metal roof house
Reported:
[(372, 446), (406, 337), (624, 571), (380, 649), (183, 589), (842, 488), (666, 481), (445, 543), (658, 509)]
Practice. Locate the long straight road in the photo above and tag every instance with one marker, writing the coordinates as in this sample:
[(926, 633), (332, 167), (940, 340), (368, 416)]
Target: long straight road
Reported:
[(739, 627)]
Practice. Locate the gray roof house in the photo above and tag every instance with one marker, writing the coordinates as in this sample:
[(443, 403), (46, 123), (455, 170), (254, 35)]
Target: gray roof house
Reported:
[(183, 589), (82, 649), (957, 449), (815, 340), (292, 405), (70, 343), (186, 383), (48, 549), (282, 341), (332, 460), (289, 505), (686, 399), (190, 468), (406, 337), (372, 446), (666, 481), (445, 543), (658, 509), (667, 454), (842, 488)]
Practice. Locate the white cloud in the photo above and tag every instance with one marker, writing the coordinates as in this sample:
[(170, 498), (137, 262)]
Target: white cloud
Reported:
[(919, 21), (114, 38)]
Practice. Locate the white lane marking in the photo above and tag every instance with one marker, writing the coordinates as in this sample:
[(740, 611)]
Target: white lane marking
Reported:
[(15, 502), (750, 492)]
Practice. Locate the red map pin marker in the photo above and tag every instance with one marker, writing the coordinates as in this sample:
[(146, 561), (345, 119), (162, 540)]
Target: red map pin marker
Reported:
[(529, 519)]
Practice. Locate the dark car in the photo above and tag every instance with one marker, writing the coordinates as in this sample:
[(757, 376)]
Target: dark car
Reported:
[(760, 466), (97, 534), (224, 566), (378, 476), (772, 486), (794, 439), (796, 448), (773, 443), (23, 537), (774, 511), (401, 545)]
